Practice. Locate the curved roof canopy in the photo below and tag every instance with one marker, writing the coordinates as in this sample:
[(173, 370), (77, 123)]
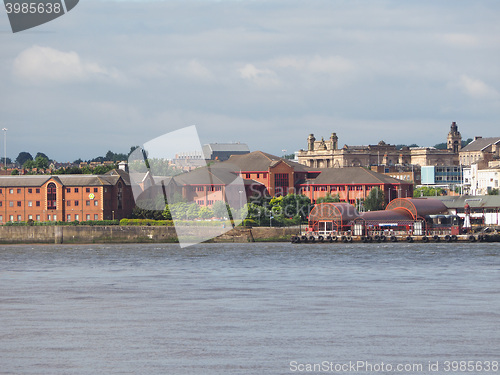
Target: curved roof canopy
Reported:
[(339, 212), (418, 207)]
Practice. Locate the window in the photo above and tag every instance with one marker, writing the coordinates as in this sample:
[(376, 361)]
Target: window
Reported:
[(247, 175), (29, 191), (11, 191), (77, 217), (88, 217), (11, 218), (68, 203), (1, 218), (87, 203), (37, 217), (200, 202), (51, 196), (18, 203), (19, 218), (18, 191), (11, 204), (1, 203), (68, 190), (30, 204), (68, 218), (30, 217), (281, 183), (258, 175), (76, 190), (96, 217), (49, 217), (77, 203), (87, 190), (38, 203), (210, 202), (1, 191), (96, 203), (218, 188), (96, 190), (105, 189), (199, 188), (38, 191), (55, 217)]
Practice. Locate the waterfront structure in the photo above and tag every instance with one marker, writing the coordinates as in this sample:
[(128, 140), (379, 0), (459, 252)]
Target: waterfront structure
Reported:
[(484, 209), (327, 154), (65, 197)]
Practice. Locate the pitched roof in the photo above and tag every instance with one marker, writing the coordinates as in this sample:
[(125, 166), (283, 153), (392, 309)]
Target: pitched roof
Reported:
[(23, 181), (480, 143), (259, 161), (238, 147), (217, 174), (474, 201), (64, 179), (352, 175)]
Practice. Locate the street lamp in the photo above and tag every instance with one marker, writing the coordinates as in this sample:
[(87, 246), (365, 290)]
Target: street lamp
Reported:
[(5, 147)]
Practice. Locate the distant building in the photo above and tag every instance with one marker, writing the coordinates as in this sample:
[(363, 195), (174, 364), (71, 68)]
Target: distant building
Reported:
[(223, 151), (442, 175), (327, 154), (485, 209), (480, 149)]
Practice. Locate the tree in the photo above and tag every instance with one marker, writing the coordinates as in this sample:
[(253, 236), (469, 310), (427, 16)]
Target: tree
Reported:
[(427, 191), (206, 213), (328, 199), (375, 200), (221, 210), (493, 192), (14, 172), (41, 162), (42, 155), (23, 157), (295, 204)]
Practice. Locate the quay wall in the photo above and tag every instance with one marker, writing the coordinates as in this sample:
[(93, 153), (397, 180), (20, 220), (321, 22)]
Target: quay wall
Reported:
[(128, 234)]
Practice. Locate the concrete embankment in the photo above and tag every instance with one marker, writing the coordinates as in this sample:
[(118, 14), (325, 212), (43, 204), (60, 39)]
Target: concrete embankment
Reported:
[(128, 234)]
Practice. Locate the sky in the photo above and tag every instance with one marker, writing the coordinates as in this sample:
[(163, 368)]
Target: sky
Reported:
[(114, 74)]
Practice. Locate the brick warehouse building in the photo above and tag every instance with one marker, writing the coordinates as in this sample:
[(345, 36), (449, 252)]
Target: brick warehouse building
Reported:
[(65, 197)]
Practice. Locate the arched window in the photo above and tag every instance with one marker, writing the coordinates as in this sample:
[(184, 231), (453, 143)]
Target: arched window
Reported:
[(51, 196)]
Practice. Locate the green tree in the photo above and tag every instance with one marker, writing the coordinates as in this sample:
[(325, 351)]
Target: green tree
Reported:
[(295, 204), (41, 162), (14, 172), (206, 213), (493, 192), (375, 200), (23, 157), (328, 199), (427, 191)]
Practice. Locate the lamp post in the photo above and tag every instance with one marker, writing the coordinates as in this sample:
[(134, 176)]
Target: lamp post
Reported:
[(5, 147)]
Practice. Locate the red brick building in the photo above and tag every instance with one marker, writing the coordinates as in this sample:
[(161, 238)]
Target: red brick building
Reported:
[(65, 197)]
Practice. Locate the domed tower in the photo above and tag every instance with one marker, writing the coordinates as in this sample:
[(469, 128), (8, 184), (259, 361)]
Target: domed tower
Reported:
[(454, 143), (310, 142)]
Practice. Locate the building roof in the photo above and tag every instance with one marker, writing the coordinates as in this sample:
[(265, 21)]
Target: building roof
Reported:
[(240, 147), (474, 201), (352, 175), (24, 181), (64, 179), (480, 143), (216, 174), (259, 161)]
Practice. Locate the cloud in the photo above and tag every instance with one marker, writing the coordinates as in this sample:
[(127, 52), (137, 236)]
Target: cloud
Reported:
[(477, 88), (39, 64), (264, 78), (196, 71), (316, 64), (459, 40)]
